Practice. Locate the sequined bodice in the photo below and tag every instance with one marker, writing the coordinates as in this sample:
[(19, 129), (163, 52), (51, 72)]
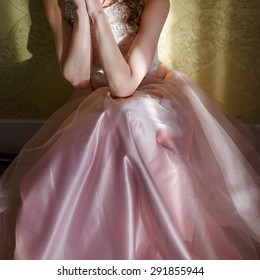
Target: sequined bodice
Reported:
[(117, 14)]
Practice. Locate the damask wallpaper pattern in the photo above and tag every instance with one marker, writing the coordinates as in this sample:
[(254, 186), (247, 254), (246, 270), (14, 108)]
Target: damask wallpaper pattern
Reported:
[(31, 86), (216, 42)]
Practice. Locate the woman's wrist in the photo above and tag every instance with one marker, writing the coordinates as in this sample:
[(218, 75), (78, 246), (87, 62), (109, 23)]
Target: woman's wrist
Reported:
[(96, 14), (81, 12), (94, 9), (82, 18)]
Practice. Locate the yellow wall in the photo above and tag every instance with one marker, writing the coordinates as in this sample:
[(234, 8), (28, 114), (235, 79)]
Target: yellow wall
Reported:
[(216, 42), (31, 86)]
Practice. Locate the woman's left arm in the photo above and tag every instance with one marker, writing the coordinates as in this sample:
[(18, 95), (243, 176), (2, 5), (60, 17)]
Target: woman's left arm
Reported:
[(124, 75)]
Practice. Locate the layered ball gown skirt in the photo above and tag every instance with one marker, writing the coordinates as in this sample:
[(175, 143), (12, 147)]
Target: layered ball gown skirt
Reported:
[(163, 174)]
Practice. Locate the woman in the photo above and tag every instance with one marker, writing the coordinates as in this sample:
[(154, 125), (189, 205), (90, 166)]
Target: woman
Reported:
[(145, 167)]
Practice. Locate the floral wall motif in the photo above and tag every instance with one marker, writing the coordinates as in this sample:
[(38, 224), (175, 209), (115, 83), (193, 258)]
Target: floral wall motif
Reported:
[(31, 86), (216, 42)]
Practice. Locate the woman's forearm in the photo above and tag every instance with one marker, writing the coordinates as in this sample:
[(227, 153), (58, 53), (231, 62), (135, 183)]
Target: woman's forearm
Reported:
[(76, 65), (73, 43), (116, 68), (124, 74)]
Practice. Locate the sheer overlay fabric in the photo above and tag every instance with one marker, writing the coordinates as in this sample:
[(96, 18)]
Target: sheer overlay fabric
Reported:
[(164, 174)]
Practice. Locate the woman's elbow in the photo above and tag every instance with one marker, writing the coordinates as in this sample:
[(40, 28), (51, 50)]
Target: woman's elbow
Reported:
[(76, 80), (122, 89), (81, 85), (120, 92)]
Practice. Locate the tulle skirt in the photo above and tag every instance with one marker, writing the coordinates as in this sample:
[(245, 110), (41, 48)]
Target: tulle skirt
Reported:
[(163, 174)]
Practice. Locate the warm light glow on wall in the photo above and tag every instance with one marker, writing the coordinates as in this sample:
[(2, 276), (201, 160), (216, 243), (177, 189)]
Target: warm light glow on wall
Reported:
[(31, 86), (14, 32), (216, 42)]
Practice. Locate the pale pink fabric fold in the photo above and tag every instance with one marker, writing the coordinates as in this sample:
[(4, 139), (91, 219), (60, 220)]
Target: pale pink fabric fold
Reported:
[(160, 175), (163, 174)]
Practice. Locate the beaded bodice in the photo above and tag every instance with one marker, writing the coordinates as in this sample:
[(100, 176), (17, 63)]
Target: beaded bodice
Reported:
[(124, 35)]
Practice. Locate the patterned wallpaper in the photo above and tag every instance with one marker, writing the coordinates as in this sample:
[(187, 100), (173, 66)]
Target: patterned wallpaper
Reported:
[(31, 86), (216, 42)]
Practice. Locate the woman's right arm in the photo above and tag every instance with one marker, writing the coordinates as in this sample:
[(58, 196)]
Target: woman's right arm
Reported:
[(73, 43)]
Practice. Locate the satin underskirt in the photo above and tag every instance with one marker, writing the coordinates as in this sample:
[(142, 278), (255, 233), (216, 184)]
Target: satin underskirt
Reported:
[(164, 174)]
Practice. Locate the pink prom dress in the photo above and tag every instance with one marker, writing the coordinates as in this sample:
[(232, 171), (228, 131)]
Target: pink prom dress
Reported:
[(164, 174)]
